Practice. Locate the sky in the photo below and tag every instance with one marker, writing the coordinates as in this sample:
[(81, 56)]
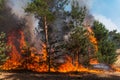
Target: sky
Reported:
[(107, 12)]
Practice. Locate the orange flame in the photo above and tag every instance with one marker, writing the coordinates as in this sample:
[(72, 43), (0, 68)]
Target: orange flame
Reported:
[(15, 57), (31, 62), (93, 61), (92, 38), (37, 61), (69, 67)]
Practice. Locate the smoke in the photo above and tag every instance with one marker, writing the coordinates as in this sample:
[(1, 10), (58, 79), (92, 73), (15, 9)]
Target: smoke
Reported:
[(17, 7), (17, 17), (29, 21)]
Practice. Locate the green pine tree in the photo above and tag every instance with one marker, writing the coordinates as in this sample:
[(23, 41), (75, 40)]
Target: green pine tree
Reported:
[(45, 10), (79, 44), (106, 47)]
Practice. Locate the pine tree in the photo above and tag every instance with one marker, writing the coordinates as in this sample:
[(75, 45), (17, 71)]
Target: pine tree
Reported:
[(106, 53), (45, 10), (106, 47), (79, 43)]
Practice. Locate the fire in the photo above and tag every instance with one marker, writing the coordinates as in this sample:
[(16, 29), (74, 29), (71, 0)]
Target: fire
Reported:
[(94, 41), (23, 57), (69, 67), (29, 58), (93, 61), (22, 40), (92, 38), (37, 62), (15, 57)]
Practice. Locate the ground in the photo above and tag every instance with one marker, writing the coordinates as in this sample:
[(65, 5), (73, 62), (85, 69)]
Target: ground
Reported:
[(59, 76)]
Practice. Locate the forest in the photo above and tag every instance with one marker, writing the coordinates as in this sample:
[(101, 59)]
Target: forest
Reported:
[(43, 36)]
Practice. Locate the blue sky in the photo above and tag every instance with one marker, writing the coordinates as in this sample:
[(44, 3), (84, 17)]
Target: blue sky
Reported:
[(108, 12)]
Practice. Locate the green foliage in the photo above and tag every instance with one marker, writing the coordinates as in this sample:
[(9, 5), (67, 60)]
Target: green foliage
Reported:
[(107, 52), (106, 47), (79, 44), (3, 48), (100, 31), (40, 8), (77, 38), (78, 14)]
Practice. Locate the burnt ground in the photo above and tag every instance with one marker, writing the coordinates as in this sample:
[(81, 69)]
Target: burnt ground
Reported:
[(59, 76)]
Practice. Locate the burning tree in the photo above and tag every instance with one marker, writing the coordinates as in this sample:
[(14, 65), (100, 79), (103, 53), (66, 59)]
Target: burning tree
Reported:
[(79, 44), (82, 43), (44, 11), (41, 8)]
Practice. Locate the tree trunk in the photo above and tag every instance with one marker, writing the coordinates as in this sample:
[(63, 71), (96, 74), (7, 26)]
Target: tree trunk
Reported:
[(47, 42)]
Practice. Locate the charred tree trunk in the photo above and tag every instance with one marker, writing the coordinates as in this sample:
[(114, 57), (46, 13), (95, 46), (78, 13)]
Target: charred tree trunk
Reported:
[(47, 42)]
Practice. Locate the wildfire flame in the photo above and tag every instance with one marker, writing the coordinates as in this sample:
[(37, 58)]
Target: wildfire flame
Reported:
[(23, 57), (15, 57), (69, 67), (29, 58)]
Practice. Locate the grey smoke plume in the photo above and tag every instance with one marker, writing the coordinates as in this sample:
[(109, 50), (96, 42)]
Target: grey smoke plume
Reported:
[(17, 8)]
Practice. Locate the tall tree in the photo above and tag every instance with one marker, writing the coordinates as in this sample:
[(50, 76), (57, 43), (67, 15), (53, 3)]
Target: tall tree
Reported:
[(106, 47), (41, 9), (45, 10), (79, 43)]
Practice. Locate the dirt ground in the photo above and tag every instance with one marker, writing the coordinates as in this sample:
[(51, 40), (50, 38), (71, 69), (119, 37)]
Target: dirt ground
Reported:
[(59, 76)]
